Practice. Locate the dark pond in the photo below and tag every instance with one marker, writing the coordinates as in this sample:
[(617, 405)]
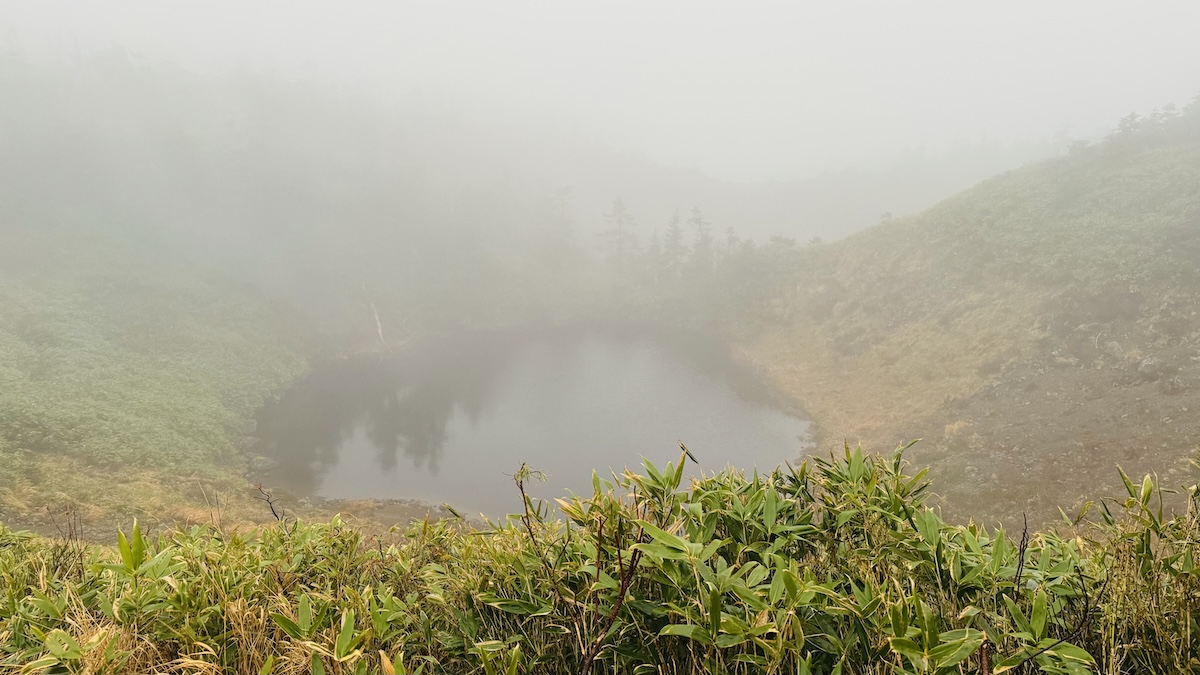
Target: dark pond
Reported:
[(450, 422)]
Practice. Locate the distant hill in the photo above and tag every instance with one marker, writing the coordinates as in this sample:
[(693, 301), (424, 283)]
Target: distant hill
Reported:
[(1034, 330)]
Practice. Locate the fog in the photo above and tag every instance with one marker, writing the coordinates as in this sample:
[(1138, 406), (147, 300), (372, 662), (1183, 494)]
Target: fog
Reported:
[(803, 121), (232, 196), (773, 91), (612, 337)]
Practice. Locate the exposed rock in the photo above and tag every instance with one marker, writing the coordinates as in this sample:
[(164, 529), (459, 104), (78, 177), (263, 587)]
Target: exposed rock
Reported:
[(1151, 368), (1172, 386), (1113, 349)]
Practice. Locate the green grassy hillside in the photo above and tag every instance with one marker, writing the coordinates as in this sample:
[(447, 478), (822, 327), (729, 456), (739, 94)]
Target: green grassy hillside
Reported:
[(1034, 331), (126, 378)]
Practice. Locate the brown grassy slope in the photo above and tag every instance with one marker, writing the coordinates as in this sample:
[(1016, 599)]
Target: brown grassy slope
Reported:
[(1034, 331)]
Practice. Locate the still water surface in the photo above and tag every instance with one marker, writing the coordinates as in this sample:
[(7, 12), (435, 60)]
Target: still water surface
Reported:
[(451, 422)]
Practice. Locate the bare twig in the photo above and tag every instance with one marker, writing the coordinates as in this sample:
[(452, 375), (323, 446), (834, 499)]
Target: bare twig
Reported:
[(527, 519), (1079, 627), (599, 553), (626, 580), (270, 500), (1024, 547)]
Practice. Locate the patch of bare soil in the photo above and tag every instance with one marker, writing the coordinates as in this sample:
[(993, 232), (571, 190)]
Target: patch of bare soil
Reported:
[(1023, 434)]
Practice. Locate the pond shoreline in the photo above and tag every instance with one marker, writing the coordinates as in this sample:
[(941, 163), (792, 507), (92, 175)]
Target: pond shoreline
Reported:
[(440, 370)]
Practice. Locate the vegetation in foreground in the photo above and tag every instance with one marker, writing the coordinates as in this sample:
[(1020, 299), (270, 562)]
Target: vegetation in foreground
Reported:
[(834, 566)]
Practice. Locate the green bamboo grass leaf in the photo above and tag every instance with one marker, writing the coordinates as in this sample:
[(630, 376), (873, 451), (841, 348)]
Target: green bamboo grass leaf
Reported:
[(62, 646), (770, 510), (660, 551), (126, 552), (40, 665), (999, 552), (1017, 615), (690, 631), (844, 516), (1070, 652), (663, 537), (137, 545), (288, 626), (518, 607), (727, 640), (929, 525), (711, 549), (1128, 483), (268, 666), (910, 650), (955, 646), (1037, 620), (345, 639), (1147, 490), (714, 612), (304, 616), (653, 472)]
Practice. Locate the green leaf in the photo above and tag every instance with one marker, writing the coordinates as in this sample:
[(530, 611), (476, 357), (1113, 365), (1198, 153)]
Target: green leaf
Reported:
[(288, 626), (126, 552), (710, 549), (660, 551), (770, 509), (664, 537), (1128, 483), (1070, 652), (62, 646), (317, 667), (909, 650), (137, 545), (1037, 621), (268, 666), (899, 617), (999, 551), (714, 611), (955, 647), (730, 640), (305, 615), (687, 630), (41, 664), (345, 637), (1017, 615), (517, 607), (929, 525), (1147, 490)]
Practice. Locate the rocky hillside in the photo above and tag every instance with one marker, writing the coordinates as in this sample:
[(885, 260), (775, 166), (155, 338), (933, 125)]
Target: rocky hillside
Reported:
[(1033, 331)]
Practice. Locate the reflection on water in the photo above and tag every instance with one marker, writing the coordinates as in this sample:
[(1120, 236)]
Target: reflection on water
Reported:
[(449, 422)]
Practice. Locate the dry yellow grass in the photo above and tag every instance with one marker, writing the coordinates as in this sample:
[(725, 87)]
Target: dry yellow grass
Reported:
[(874, 397)]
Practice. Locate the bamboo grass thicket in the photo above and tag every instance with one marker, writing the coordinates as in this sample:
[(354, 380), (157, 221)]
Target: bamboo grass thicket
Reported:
[(831, 566)]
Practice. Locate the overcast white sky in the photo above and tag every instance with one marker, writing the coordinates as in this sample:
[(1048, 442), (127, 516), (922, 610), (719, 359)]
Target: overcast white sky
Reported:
[(744, 91)]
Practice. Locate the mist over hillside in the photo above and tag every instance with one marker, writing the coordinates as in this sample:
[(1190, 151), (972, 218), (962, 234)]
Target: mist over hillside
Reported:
[(1034, 331), (121, 130), (631, 338)]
